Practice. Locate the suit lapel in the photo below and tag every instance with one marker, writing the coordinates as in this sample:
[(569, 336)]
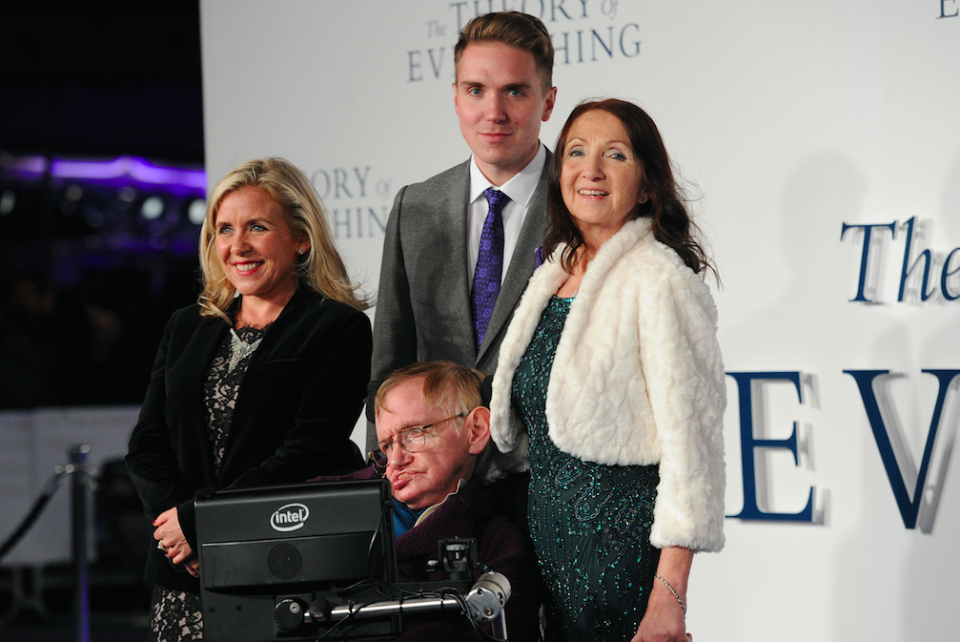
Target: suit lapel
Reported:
[(202, 347), (522, 263), (453, 211)]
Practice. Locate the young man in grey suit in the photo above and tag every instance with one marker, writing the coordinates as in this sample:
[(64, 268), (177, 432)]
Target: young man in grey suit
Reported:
[(460, 247)]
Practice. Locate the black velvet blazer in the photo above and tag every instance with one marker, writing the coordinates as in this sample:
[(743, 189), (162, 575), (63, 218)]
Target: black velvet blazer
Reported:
[(296, 408)]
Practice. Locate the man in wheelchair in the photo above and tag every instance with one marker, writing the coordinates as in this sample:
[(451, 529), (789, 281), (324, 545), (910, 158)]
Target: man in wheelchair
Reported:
[(433, 434)]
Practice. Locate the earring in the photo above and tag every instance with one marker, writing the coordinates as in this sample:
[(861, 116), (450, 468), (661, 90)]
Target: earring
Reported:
[(301, 251)]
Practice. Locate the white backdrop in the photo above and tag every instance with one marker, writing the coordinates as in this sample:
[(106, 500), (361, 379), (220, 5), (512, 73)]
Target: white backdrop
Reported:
[(787, 121)]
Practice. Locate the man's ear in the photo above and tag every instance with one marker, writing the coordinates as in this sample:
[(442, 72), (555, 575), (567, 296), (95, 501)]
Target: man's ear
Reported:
[(477, 425), (549, 102)]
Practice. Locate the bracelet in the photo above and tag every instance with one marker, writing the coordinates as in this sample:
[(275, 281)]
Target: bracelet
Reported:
[(683, 606)]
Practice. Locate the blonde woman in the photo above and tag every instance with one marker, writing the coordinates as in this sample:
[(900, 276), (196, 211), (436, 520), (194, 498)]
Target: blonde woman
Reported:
[(260, 382)]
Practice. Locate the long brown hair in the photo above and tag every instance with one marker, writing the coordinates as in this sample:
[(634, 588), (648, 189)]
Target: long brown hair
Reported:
[(672, 224)]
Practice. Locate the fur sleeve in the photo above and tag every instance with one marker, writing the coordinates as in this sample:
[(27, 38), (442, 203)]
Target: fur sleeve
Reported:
[(682, 365)]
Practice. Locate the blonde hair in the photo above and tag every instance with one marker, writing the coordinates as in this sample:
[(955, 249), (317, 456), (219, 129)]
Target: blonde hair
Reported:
[(447, 386), (321, 269)]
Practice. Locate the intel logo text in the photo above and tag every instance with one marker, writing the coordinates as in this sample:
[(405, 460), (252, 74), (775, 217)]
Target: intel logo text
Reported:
[(289, 517)]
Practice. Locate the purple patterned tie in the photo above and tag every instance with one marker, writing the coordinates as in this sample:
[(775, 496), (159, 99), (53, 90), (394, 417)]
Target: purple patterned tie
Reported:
[(486, 280)]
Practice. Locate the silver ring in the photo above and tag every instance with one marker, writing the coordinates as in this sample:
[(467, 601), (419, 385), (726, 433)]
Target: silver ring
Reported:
[(160, 546)]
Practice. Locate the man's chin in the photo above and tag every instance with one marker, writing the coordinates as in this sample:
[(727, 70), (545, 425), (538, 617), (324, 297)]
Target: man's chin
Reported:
[(418, 504), (497, 156), (406, 494), (415, 499), (505, 157)]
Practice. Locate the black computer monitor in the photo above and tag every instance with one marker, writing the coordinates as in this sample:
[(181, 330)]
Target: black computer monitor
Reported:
[(259, 547)]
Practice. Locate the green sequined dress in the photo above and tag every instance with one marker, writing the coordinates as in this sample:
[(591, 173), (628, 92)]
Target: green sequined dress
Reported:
[(590, 522)]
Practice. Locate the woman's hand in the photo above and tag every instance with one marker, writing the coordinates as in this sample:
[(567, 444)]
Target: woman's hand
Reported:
[(664, 619), (193, 566), (173, 543)]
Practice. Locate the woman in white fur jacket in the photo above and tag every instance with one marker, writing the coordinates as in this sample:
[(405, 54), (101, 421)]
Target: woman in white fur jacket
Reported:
[(610, 381)]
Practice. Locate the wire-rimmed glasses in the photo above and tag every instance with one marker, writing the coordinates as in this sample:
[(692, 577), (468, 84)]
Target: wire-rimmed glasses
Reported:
[(412, 439)]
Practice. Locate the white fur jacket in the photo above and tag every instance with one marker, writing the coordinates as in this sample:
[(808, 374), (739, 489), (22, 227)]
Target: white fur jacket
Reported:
[(637, 379)]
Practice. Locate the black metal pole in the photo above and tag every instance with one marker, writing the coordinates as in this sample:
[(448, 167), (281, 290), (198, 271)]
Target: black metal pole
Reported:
[(81, 581)]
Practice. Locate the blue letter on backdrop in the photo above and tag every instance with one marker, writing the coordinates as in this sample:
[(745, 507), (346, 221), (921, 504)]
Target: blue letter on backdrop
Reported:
[(865, 255), (909, 509), (748, 442)]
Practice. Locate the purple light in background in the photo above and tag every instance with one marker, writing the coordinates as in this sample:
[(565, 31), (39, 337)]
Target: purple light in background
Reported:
[(122, 171), (26, 165)]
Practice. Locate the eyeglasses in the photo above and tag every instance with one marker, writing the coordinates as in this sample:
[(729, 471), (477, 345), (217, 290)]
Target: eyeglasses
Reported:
[(412, 438)]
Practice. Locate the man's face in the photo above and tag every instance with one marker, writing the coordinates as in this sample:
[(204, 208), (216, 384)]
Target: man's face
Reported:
[(500, 100), (424, 478)]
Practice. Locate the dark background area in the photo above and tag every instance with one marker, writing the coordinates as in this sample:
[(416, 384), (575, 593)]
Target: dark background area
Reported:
[(87, 280), (91, 80), (86, 277)]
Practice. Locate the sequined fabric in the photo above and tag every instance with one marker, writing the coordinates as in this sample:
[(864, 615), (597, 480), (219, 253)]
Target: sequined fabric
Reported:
[(590, 523), (177, 614)]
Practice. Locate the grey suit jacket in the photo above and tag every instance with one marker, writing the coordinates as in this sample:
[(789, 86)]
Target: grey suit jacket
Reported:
[(423, 306)]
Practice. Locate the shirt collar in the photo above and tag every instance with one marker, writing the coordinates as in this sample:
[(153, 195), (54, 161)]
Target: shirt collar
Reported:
[(427, 511), (520, 188)]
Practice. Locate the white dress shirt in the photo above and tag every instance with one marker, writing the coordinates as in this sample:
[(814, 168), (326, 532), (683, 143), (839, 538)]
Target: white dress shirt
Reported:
[(520, 189)]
